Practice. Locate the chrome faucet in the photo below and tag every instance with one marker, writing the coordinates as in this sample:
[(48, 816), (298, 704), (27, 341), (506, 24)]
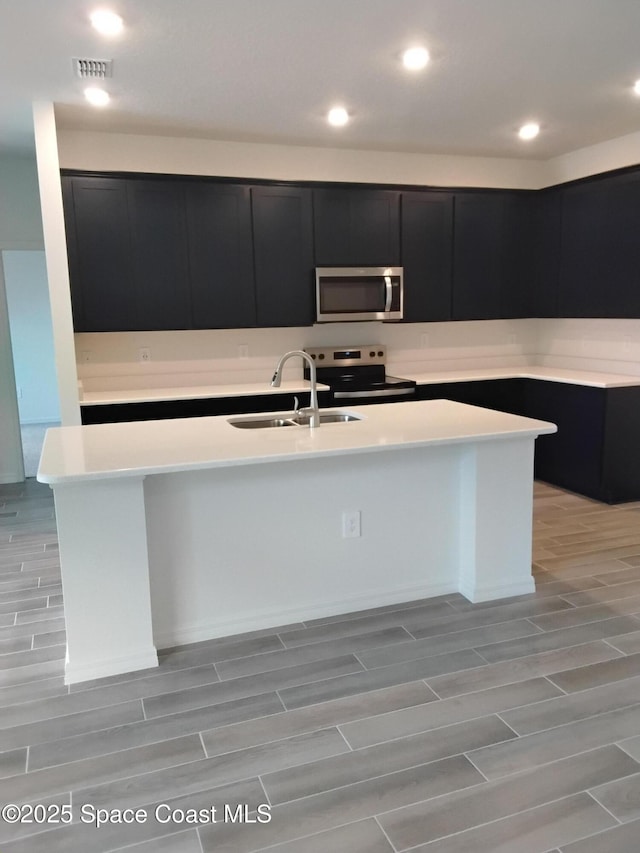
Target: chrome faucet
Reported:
[(313, 411)]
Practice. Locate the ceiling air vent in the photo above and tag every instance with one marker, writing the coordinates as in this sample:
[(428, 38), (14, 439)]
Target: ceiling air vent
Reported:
[(93, 69)]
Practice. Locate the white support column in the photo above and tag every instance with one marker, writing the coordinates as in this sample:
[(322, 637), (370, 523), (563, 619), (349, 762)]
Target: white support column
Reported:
[(105, 578), (496, 506)]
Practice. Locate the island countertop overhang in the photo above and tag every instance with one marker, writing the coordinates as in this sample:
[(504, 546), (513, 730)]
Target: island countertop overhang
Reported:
[(136, 449)]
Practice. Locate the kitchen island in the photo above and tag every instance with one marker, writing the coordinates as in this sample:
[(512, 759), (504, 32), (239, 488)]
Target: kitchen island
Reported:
[(177, 531)]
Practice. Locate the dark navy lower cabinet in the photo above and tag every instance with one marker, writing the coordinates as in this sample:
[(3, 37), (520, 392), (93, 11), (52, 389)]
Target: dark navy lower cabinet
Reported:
[(200, 408), (595, 451)]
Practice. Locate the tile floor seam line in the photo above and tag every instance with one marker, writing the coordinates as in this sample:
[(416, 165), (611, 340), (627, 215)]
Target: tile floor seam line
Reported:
[(498, 714), (573, 723), (204, 746), (341, 733), (561, 648), (475, 766), (590, 793), (199, 837), (432, 689), (102, 754), (474, 649), (264, 789), (496, 820), (613, 646), (377, 776), (382, 830)]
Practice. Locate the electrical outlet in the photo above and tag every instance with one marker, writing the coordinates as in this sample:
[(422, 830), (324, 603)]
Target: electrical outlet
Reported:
[(351, 524), (144, 354), (243, 351), (86, 356)]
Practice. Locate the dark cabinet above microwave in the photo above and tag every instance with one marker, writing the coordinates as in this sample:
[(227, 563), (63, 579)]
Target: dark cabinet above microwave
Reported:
[(356, 227)]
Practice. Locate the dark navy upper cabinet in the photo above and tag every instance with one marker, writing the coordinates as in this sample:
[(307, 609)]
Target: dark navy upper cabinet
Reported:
[(478, 255), (544, 244), (220, 255), (283, 255), (160, 254), (426, 243), (356, 227), (101, 271), (600, 249)]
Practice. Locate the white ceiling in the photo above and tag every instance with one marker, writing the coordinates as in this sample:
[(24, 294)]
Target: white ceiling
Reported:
[(268, 70)]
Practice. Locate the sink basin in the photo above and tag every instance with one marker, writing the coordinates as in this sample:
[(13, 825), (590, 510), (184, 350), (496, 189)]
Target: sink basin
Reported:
[(329, 418), (269, 421), (260, 422)]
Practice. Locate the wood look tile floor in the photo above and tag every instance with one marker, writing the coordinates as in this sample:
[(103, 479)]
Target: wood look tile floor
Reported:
[(437, 726)]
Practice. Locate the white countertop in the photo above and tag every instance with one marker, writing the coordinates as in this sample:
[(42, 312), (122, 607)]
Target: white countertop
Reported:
[(102, 451), (550, 374), (194, 392), (300, 386)]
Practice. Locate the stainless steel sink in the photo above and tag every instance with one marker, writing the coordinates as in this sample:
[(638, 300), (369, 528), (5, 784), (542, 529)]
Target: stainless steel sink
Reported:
[(260, 423), (270, 422), (329, 418)]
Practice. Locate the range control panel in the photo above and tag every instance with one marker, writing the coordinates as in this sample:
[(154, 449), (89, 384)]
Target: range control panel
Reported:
[(347, 356)]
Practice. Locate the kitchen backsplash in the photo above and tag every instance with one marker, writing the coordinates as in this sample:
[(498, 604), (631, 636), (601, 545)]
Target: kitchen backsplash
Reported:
[(609, 346), (107, 361)]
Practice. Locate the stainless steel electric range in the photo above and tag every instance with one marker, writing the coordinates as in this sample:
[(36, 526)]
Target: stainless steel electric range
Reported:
[(358, 374)]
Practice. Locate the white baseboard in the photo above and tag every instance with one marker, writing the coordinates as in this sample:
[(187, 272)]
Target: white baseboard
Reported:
[(12, 477), (476, 594), (113, 666), (184, 634)]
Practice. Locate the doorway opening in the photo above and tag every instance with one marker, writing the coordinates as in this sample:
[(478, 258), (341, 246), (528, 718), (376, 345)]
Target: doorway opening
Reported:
[(29, 311)]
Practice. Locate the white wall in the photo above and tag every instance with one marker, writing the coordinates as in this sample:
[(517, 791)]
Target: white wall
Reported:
[(20, 228), (27, 293), (56, 254), (20, 220), (174, 155), (11, 464)]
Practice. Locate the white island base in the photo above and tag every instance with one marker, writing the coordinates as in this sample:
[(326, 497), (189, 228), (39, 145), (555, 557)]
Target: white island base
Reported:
[(162, 555)]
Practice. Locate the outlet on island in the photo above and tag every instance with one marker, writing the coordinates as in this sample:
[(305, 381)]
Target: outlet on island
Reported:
[(351, 524), (144, 354)]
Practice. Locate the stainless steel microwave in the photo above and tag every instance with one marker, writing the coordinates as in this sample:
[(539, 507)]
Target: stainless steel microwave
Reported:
[(358, 293)]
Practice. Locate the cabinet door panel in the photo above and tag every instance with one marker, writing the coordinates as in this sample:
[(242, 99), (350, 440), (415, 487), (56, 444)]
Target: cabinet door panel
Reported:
[(518, 258), (356, 227), (159, 237), (100, 262), (283, 255), (427, 232), (220, 256), (600, 248), (478, 256), (572, 457)]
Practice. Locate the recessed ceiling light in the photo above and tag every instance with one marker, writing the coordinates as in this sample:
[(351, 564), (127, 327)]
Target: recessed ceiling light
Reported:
[(97, 97), (529, 131), (636, 87), (106, 22), (415, 58), (338, 116)]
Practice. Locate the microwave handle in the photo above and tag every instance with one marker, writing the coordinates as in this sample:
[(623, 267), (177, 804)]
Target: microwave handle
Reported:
[(389, 290)]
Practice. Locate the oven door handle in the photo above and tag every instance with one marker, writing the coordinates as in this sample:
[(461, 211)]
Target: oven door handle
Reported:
[(389, 290), (384, 392)]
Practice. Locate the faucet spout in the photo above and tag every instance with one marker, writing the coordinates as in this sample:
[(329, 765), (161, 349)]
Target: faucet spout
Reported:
[(314, 412)]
